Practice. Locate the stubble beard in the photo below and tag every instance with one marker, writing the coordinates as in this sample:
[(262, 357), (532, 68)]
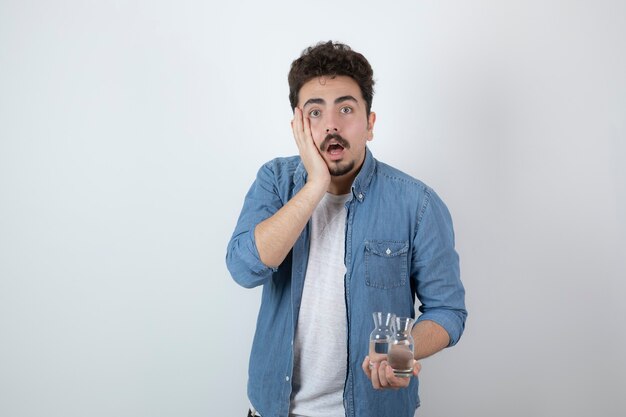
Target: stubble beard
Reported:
[(337, 170)]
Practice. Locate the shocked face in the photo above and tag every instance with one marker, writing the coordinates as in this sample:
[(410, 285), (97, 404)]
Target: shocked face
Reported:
[(339, 122)]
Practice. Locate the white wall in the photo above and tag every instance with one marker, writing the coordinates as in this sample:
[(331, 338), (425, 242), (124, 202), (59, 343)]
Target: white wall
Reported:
[(130, 132)]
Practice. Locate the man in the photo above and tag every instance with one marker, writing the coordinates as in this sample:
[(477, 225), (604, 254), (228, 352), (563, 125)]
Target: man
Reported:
[(334, 235)]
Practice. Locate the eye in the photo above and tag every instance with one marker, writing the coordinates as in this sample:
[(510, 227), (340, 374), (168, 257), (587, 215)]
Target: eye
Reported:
[(315, 113), (346, 110)]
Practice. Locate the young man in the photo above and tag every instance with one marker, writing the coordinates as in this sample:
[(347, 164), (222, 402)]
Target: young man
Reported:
[(334, 235)]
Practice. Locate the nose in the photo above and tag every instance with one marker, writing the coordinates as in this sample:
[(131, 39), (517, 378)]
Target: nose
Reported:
[(331, 125)]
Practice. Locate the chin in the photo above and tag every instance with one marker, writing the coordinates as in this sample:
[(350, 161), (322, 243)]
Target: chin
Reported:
[(337, 170)]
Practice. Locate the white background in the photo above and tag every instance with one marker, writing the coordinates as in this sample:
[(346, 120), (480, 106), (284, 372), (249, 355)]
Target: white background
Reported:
[(131, 130)]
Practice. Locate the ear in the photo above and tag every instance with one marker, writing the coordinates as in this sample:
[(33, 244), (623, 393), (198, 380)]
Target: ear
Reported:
[(371, 119)]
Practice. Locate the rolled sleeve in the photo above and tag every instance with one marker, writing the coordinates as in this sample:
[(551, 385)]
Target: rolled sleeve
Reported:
[(242, 256), (435, 269)]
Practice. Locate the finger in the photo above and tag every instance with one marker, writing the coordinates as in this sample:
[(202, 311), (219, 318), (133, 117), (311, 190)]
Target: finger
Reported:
[(383, 374), (296, 123), (366, 367), (304, 134), (417, 367), (307, 128), (395, 381), (374, 376), (298, 131)]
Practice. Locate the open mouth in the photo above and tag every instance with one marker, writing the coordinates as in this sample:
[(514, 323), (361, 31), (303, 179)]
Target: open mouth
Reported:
[(335, 152), (335, 149), (334, 145)]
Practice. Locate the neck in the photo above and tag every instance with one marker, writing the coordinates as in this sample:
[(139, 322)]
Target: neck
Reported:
[(341, 185)]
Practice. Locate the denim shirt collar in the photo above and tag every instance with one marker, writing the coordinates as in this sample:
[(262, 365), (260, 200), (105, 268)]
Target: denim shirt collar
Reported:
[(361, 182)]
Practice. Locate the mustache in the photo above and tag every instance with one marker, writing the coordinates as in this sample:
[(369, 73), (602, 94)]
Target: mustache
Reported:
[(324, 145)]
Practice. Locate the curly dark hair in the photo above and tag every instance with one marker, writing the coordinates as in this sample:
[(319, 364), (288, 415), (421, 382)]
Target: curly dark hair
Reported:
[(331, 59)]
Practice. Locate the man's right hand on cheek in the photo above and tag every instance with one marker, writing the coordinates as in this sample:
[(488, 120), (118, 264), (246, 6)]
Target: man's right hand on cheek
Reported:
[(316, 167)]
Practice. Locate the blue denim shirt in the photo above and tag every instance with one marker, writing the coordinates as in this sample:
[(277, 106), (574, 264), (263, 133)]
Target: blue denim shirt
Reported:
[(399, 245)]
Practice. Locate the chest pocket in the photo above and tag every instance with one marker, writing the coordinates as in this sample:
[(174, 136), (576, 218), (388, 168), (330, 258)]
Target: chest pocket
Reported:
[(386, 263)]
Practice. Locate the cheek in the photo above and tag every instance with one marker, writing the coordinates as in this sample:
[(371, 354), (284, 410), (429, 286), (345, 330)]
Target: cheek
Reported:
[(318, 133), (356, 130)]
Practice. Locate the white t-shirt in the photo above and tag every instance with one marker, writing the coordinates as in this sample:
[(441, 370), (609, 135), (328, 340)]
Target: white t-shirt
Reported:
[(320, 348)]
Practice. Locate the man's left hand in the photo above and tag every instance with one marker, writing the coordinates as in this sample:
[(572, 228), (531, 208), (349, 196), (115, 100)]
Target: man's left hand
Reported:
[(382, 375)]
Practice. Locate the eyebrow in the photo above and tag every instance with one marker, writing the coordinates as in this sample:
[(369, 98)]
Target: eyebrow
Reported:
[(337, 100), (314, 101), (345, 98)]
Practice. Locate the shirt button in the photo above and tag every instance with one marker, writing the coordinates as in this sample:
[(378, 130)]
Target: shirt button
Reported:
[(360, 196), (388, 251), (286, 378)]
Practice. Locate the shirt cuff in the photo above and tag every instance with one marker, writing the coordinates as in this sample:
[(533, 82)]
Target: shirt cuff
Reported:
[(450, 320)]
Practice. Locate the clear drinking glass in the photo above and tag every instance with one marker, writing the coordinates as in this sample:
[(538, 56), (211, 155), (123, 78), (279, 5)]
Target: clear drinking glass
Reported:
[(401, 350), (380, 337)]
